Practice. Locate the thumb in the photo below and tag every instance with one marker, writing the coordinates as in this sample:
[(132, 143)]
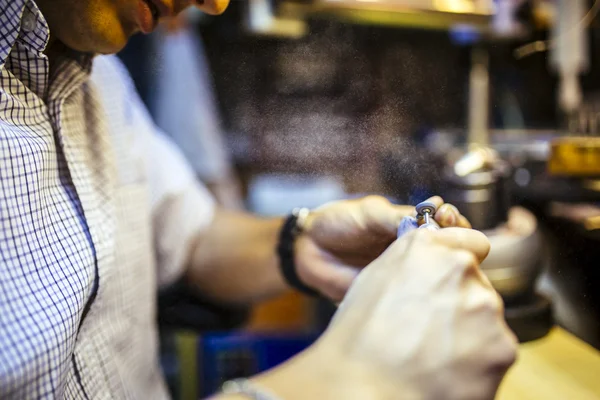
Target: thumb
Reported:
[(385, 215)]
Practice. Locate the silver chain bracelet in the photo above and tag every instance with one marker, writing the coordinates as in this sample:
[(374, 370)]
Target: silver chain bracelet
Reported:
[(245, 387)]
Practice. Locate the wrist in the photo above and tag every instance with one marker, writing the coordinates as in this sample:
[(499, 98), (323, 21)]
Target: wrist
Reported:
[(320, 373)]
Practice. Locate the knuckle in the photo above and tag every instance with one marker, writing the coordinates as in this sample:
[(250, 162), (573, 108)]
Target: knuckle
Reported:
[(499, 307), (508, 352), (502, 348), (487, 305), (513, 344), (505, 344), (494, 304), (463, 259)]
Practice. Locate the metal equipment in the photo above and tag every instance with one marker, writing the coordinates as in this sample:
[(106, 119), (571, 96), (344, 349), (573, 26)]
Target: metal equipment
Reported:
[(478, 182), (482, 195), (477, 185)]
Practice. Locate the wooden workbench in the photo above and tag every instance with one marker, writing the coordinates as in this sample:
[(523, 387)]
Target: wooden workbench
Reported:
[(557, 367)]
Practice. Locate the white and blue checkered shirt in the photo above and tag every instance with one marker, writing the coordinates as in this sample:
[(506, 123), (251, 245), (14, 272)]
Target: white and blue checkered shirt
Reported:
[(97, 210)]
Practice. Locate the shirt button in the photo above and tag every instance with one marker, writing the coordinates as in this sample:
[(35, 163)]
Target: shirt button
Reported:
[(29, 23)]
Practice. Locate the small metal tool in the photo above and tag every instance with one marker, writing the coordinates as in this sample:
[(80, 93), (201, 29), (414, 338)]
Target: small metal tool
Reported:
[(426, 211)]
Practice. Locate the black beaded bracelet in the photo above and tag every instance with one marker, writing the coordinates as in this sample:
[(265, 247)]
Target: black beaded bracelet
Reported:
[(285, 250)]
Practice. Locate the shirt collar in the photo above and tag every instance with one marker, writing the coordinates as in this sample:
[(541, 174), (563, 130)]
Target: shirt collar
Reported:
[(21, 20), (24, 23)]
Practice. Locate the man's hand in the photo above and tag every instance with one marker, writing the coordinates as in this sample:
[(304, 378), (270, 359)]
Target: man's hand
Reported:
[(426, 321), (421, 322), (343, 237)]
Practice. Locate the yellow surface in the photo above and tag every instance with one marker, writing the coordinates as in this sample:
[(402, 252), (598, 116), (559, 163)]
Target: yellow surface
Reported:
[(575, 156), (557, 367)]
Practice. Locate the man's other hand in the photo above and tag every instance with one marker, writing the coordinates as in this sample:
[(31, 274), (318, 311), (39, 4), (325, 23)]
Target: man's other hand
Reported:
[(343, 237)]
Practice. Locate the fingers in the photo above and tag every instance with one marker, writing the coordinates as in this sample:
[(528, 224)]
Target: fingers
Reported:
[(386, 216), (437, 200), (463, 222), (455, 238), (447, 215), (425, 260), (335, 279), (458, 247), (338, 280), (464, 239), (327, 274)]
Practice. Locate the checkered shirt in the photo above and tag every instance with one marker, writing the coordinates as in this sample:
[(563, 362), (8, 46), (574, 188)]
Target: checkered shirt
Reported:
[(97, 209)]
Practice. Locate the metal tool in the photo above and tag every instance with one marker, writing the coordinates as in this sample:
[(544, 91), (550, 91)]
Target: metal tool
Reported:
[(425, 212)]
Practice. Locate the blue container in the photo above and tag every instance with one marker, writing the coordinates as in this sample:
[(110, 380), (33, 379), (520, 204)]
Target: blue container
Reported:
[(222, 357)]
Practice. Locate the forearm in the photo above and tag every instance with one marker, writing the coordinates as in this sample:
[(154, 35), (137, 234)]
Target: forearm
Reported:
[(236, 260)]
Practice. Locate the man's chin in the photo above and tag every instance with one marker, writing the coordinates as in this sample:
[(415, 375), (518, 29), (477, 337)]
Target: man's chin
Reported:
[(99, 43)]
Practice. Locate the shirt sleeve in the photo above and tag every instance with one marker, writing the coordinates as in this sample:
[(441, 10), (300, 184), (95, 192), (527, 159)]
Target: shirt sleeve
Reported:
[(182, 207)]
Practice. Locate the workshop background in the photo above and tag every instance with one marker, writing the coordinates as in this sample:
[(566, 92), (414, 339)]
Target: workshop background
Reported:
[(337, 107)]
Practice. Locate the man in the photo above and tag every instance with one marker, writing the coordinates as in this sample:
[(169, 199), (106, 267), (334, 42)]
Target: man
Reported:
[(97, 210)]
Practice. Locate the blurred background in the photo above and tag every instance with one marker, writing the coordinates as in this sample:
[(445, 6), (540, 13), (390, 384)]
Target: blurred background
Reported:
[(293, 103)]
